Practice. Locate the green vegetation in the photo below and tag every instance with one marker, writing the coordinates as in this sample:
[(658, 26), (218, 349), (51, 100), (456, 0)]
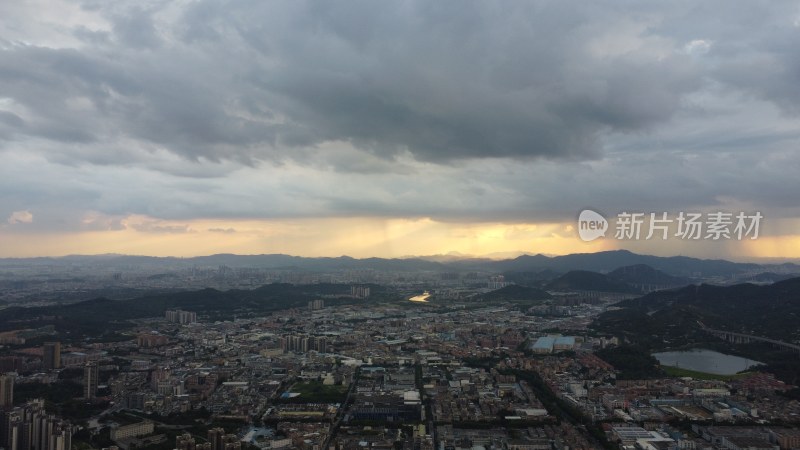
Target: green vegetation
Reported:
[(583, 280), (183, 418), (515, 294), (785, 365), (79, 409), (485, 362), (530, 278), (793, 394), (85, 440), (633, 362), (680, 372), (671, 320), (316, 392), (122, 418), (104, 317), (59, 392), (644, 274), (768, 311)]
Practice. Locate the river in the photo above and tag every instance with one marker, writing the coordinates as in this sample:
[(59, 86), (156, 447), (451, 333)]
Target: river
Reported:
[(422, 298)]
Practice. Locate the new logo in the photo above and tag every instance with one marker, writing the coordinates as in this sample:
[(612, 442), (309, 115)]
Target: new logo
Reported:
[(591, 225)]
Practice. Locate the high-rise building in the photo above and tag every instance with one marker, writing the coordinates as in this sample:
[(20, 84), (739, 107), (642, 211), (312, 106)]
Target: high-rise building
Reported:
[(320, 344), (231, 442), (215, 436), (187, 442), (158, 375), (51, 355), (315, 305), (91, 373), (359, 291), (302, 343), (10, 364), (29, 427), (497, 282), (180, 316), (298, 343), (6, 391), (12, 427)]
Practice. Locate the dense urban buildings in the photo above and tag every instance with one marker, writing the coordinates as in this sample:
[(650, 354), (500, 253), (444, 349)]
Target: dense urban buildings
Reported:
[(411, 360), (29, 427)]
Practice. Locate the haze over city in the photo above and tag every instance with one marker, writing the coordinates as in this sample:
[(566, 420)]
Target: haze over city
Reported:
[(407, 128)]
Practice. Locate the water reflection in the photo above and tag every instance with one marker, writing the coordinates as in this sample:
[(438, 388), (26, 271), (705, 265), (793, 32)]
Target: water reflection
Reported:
[(707, 361), (422, 298)]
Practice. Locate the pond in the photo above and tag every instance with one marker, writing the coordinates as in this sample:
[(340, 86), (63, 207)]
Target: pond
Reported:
[(707, 361)]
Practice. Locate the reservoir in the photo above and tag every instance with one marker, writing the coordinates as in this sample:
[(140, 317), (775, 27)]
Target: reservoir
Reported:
[(707, 361)]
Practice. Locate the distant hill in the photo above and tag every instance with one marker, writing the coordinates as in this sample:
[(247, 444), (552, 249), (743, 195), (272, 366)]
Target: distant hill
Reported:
[(669, 319), (584, 280), (610, 260), (645, 278), (534, 279), (603, 262), (516, 293), (767, 277), (271, 261), (92, 317), (770, 310)]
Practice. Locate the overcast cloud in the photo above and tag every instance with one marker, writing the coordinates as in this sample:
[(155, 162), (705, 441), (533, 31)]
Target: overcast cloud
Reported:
[(454, 110)]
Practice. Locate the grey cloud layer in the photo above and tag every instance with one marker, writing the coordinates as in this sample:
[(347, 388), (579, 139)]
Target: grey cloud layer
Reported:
[(456, 110), (251, 80)]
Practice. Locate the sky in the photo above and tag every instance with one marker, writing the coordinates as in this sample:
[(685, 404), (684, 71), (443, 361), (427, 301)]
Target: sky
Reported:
[(364, 128)]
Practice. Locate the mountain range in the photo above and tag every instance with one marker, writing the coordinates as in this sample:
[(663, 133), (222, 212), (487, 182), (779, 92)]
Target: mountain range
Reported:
[(602, 262)]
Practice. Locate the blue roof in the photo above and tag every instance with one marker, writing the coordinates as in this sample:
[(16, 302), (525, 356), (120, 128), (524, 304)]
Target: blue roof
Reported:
[(545, 342), (565, 340)]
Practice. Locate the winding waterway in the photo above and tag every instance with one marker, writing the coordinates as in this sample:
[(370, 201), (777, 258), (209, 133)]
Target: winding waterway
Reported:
[(421, 298)]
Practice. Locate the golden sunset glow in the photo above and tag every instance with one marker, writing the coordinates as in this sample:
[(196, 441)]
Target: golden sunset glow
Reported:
[(361, 237), (126, 132)]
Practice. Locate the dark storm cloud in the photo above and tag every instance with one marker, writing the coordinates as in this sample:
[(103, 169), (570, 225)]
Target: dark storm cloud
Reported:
[(248, 80), (463, 80), (753, 45)]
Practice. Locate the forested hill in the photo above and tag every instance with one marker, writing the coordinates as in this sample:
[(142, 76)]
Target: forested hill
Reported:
[(769, 311), (93, 316)]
